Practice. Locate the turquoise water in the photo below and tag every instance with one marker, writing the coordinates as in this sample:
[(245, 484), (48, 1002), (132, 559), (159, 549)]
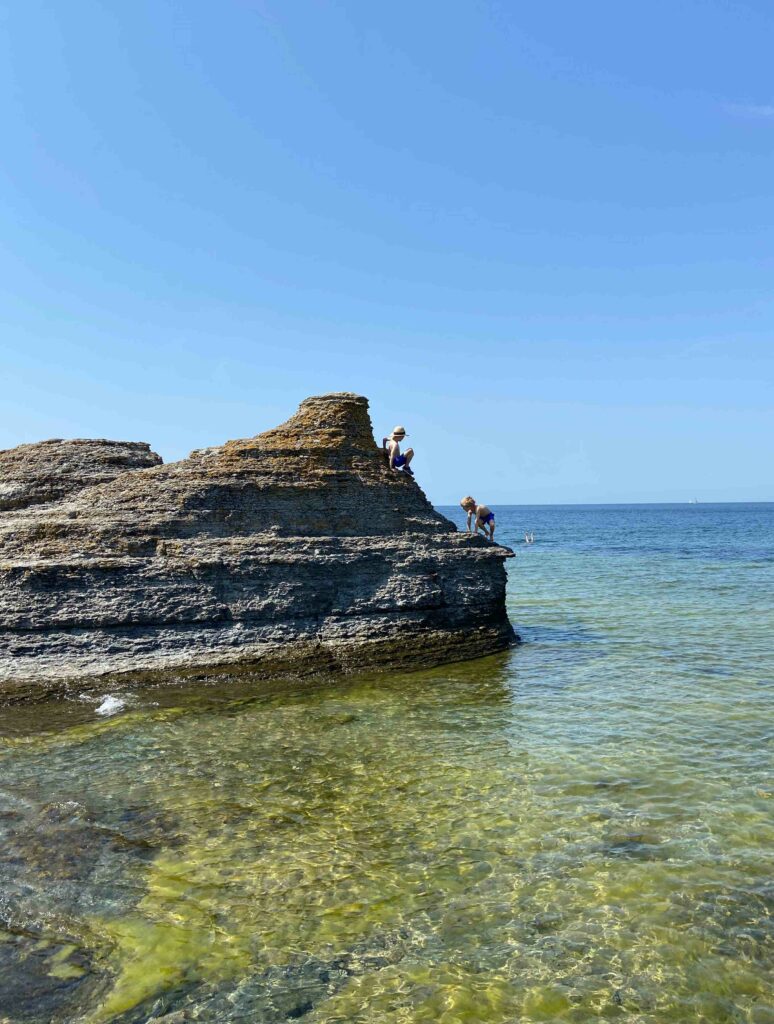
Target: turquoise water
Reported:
[(580, 829)]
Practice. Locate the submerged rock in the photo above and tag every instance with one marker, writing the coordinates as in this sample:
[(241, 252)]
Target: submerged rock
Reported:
[(43, 978), (296, 551), (63, 868)]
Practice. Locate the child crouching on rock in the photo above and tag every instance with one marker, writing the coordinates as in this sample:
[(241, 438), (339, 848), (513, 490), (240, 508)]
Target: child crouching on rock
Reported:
[(392, 444), (484, 516)]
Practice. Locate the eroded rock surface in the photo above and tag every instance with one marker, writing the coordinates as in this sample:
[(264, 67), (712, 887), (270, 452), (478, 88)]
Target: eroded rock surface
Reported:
[(34, 474), (298, 550)]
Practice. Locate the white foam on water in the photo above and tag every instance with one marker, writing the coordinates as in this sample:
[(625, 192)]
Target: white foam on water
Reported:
[(111, 706)]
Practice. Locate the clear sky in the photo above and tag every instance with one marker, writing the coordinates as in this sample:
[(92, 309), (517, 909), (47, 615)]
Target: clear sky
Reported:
[(540, 235)]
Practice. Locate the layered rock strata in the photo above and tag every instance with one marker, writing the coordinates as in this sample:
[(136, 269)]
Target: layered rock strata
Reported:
[(34, 474), (295, 551)]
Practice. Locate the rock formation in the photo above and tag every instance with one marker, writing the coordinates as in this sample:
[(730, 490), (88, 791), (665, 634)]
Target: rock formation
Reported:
[(295, 551), (33, 474)]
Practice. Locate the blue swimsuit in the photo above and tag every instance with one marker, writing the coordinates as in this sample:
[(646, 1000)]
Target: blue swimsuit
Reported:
[(489, 518)]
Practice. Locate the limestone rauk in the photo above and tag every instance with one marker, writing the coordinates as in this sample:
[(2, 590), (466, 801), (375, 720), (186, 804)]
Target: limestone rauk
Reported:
[(33, 474), (295, 551)]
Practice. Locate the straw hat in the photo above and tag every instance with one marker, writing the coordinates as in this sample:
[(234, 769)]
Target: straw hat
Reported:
[(400, 431)]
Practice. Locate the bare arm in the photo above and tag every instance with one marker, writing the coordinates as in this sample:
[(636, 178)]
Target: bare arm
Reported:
[(470, 516), (392, 448)]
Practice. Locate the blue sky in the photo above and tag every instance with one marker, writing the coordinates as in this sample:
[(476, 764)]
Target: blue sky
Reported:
[(540, 235)]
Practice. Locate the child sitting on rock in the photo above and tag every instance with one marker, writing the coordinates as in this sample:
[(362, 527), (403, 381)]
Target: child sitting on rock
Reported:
[(484, 516), (392, 444)]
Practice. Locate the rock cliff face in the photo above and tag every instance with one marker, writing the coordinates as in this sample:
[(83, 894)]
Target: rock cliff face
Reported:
[(296, 551), (33, 474)]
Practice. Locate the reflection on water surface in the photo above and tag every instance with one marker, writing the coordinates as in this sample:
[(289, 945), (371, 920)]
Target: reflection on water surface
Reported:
[(578, 830)]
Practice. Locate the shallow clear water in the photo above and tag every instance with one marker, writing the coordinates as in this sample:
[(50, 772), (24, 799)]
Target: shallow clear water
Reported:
[(578, 830)]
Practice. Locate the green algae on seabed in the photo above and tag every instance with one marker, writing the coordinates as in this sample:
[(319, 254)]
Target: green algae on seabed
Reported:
[(421, 850)]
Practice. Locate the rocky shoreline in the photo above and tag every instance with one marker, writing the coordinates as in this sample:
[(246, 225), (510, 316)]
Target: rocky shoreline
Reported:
[(295, 552)]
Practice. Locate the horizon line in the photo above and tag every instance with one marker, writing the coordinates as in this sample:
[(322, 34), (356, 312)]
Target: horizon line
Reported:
[(603, 504)]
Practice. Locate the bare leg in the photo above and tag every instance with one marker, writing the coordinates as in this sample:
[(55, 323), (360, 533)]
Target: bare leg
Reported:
[(408, 455), (491, 531)]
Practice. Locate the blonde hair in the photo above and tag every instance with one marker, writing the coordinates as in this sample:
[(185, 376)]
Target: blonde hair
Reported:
[(467, 501)]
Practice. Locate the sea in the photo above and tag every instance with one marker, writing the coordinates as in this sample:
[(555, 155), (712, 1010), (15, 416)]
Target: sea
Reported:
[(579, 829)]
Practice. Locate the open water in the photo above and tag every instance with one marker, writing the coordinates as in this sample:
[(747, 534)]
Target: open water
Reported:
[(578, 830)]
